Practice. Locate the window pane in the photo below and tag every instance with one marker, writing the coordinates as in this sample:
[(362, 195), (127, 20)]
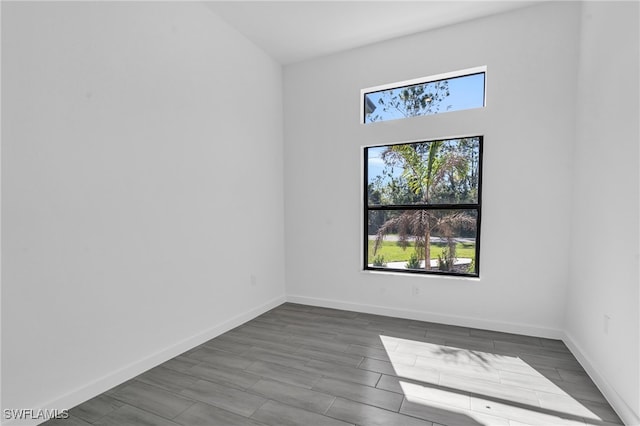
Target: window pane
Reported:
[(432, 97), (396, 240), (435, 172)]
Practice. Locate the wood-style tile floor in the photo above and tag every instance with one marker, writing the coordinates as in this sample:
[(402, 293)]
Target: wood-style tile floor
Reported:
[(304, 365)]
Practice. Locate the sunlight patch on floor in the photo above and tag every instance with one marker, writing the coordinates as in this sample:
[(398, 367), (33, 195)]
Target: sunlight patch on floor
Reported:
[(478, 384), (420, 394)]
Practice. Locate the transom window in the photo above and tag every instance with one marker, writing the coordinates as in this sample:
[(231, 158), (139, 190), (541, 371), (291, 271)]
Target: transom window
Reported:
[(449, 92), (423, 206)]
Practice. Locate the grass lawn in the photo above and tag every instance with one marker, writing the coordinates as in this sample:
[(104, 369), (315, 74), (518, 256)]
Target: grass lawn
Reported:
[(392, 252)]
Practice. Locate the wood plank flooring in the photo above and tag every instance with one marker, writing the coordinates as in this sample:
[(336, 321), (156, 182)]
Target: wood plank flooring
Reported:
[(304, 365)]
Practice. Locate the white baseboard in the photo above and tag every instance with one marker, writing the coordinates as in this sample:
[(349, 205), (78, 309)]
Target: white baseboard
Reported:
[(505, 327), (127, 372), (626, 413)]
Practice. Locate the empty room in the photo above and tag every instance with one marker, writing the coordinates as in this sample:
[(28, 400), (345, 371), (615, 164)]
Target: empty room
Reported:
[(320, 213)]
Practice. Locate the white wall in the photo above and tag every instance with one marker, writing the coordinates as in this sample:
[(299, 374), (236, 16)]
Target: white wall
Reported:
[(528, 124), (141, 188), (604, 262)]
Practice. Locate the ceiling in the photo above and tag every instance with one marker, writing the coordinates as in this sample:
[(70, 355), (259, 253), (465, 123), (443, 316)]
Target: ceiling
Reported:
[(293, 31)]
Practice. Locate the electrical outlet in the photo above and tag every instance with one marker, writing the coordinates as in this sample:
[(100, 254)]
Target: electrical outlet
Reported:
[(415, 290)]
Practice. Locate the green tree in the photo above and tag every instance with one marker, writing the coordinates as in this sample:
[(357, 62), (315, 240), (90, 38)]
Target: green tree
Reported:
[(411, 101), (426, 169)]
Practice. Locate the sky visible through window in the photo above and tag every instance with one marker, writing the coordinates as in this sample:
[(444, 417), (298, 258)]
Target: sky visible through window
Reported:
[(459, 93), (375, 164)]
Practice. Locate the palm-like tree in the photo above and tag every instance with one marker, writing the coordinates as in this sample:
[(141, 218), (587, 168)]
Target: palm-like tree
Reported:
[(425, 166), (419, 225)]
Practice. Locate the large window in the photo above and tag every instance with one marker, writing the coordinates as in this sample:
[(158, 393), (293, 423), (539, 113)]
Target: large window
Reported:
[(430, 95), (422, 206)]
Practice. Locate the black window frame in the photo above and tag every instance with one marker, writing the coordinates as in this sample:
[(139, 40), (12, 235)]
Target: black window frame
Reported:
[(462, 206)]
